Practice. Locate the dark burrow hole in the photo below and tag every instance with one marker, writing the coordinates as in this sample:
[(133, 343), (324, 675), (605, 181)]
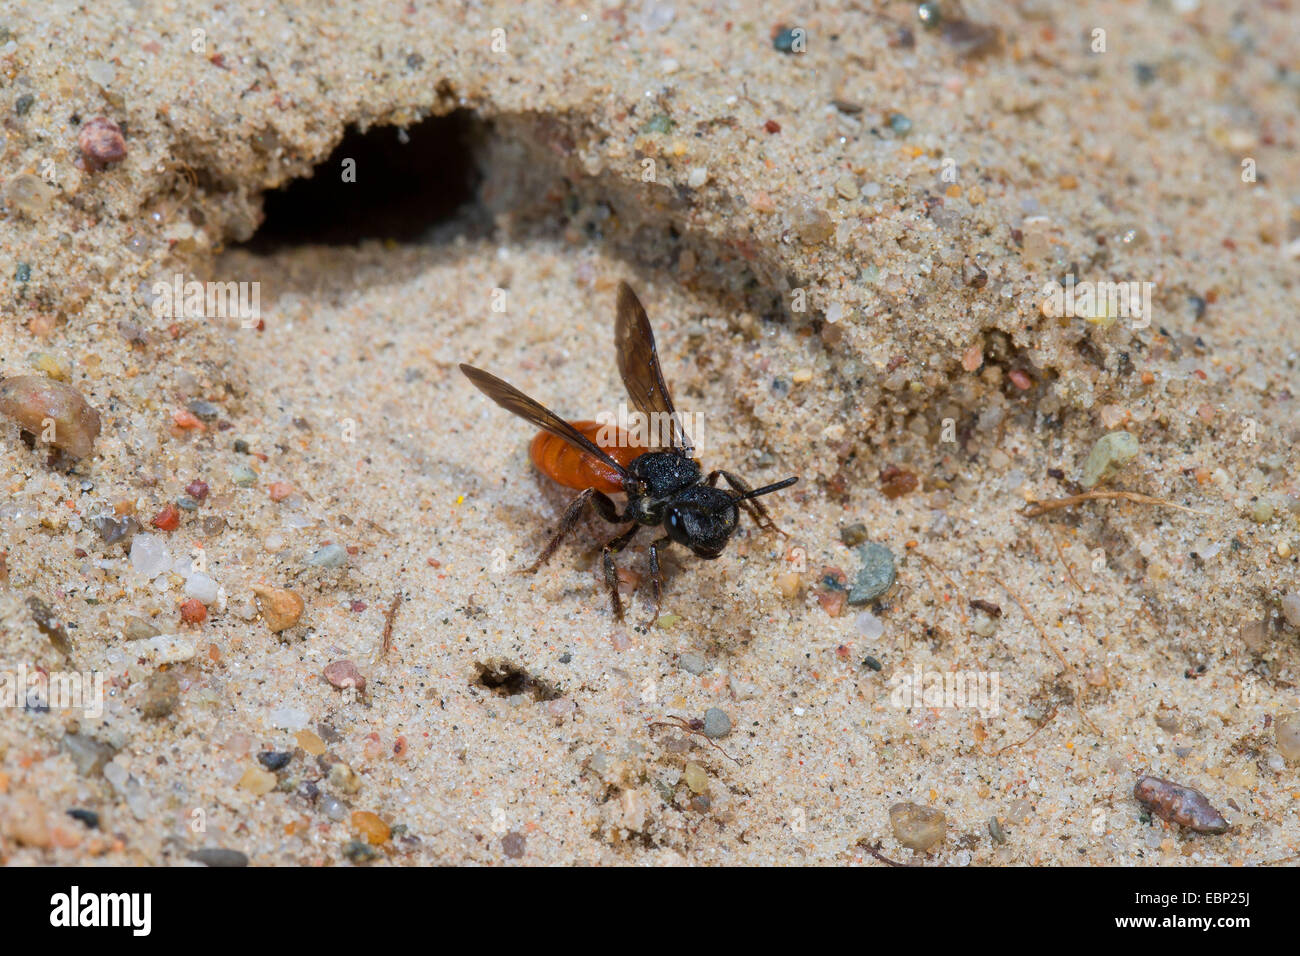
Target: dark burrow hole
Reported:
[(406, 184), (507, 679)]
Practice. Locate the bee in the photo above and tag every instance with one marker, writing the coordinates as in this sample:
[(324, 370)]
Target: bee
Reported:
[(665, 486)]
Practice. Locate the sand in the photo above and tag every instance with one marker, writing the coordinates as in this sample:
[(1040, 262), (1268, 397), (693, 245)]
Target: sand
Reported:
[(828, 300)]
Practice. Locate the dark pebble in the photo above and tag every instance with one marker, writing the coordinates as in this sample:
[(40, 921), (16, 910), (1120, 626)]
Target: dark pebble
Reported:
[(274, 759), (89, 817), (871, 662), (218, 856), (513, 844), (359, 852)]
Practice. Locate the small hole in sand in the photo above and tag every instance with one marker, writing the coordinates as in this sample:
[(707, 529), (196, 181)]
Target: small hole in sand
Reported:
[(405, 184)]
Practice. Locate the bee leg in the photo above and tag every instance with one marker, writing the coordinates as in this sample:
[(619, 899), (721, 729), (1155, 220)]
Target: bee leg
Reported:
[(656, 578), (754, 508), (611, 572), (601, 502)]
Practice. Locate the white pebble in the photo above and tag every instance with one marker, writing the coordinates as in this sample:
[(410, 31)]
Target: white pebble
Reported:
[(149, 555), (288, 718), (697, 177), (869, 626), (162, 649), (202, 587)]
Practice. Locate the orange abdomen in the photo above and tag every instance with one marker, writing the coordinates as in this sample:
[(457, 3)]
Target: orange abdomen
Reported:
[(575, 469)]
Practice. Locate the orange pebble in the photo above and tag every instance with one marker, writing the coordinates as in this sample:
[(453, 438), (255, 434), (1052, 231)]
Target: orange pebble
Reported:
[(368, 824), (194, 611)]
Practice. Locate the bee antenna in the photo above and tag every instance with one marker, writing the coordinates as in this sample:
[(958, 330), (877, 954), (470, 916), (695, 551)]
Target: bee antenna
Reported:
[(768, 489)]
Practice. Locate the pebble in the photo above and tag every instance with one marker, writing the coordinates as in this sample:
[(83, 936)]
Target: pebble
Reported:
[(32, 399), (194, 611), (876, 576), (1112, 451), (917, 827), (274, 760), (88, 755), (344, 674), (344, 778), (696, 778), (149, 555), (332, 807), (89, 817), (1287, 730), (812, 223), (198, 490), (783, 42), (358, 852), (693, 663), (138, 630), (1185, 806), (996, 832), (871, 662), (310, 742), (1291, 608), (50, 624), (258, 781), (513, 844), (218, 856), (281, 609), (161, 694), (847, 188), (101, 142), (29, 195), (202, 588), (101, 72), (112, 529), (854, 534), (900, 124), (49, 366), (869, 626), (329, 556), (163, 649), (697, 177), (288, 718), (375, 831), (1261, 512), (716, 723), (242, 475)]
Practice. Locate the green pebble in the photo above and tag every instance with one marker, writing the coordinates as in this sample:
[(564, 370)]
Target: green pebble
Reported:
[(900, 124), (23, 105), (243, 476), (876, 576), (330, 556), (696, 778), (716, 722), (1112, 452), (659, 123), (854, 534)]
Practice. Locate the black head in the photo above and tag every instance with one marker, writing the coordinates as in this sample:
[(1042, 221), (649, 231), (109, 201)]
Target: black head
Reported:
[(703, 519)]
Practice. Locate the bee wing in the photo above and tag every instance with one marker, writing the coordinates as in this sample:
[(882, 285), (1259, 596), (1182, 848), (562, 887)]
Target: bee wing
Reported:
[(513, 400), (638, 364)]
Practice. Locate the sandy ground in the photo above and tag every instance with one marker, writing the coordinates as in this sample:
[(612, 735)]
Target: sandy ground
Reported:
[(828, 302)]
